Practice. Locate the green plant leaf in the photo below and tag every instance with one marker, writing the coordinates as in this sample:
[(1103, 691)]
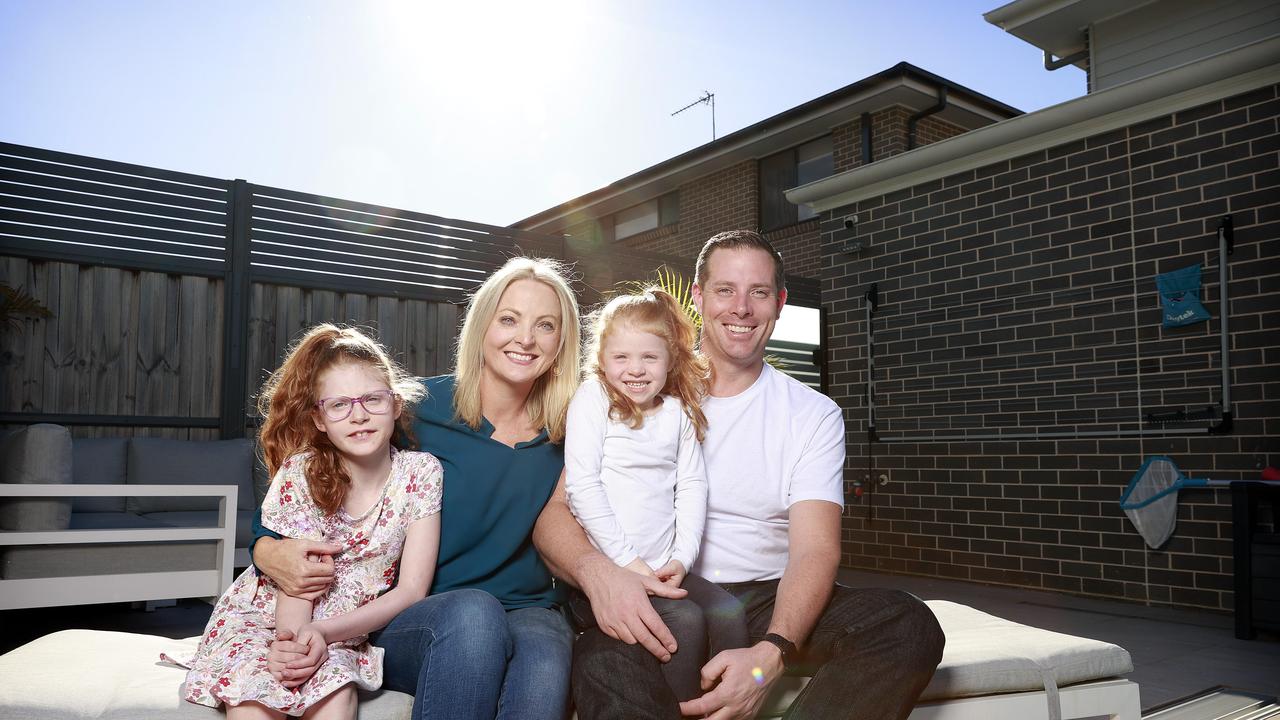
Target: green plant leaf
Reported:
[(16, 304)]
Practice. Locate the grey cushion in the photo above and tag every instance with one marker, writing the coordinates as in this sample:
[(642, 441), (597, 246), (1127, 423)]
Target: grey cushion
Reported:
[(155, 461), (98, 461), (207, 518), (29, 561), (36, 454), (111, 521)]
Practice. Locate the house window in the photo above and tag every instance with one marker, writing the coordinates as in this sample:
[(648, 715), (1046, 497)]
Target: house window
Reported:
[(788, 169), (650, 215)]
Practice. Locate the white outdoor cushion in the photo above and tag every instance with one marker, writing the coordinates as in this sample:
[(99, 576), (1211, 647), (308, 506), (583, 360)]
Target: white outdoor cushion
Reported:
[(76, 674), (119, 675), (985, 654)]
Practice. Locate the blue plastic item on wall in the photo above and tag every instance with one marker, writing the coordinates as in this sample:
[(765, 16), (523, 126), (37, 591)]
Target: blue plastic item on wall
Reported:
[(1180, 297)]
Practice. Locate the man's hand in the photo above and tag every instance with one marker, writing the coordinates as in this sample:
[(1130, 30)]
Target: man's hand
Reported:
[(293, 661), (738, 691), (620, 601), (302, 568), (672, 573)]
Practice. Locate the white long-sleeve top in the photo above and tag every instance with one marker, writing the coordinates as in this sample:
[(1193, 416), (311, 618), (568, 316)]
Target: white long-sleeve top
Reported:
[(639, 493)]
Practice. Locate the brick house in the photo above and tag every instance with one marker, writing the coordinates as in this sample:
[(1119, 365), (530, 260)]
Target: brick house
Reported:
[(739, 180), (1019, 357)]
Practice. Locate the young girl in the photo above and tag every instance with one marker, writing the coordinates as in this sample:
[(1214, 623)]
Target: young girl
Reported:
[(331, 414), (634, 472)]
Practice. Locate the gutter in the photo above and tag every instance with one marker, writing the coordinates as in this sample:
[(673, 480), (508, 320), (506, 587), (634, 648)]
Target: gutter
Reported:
[(931, 110), (1229, 73)]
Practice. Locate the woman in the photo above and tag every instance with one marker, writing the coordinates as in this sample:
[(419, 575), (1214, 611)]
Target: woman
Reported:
[(488, 638)]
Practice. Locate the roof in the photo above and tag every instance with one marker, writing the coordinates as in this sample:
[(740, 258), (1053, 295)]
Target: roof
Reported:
[(903, 84)]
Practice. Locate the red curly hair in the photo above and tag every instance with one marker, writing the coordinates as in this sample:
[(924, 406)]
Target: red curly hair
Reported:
[(288, 399), (654, 311)]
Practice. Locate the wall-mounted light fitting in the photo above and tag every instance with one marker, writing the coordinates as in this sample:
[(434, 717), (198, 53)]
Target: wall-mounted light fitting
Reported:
[(851, 246)]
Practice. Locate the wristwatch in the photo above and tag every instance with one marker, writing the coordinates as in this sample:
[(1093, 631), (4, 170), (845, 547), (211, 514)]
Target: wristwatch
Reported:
[(785, 646)]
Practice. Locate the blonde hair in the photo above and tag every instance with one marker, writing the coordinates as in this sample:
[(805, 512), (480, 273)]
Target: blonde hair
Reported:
[(287, 403), (654, 311), (548, 401)]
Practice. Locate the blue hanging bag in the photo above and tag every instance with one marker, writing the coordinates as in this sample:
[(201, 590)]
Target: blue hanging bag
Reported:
[(1180, 297)]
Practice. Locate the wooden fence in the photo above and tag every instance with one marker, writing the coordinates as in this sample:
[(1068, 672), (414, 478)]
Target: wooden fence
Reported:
[(173, 294)]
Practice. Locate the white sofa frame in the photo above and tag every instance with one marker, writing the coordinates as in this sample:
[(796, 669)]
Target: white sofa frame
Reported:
[(1112, 698), (122, 587)]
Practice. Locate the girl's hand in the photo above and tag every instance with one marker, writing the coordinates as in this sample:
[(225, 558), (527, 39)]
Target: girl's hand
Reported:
[(639, 566), (672, 573), (314, 652)]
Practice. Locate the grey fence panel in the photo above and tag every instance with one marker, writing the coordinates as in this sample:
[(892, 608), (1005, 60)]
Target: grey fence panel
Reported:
[(160, 281), (74, 208)]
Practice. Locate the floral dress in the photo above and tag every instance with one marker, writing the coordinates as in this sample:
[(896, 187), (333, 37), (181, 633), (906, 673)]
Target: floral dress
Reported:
[(230, 664)]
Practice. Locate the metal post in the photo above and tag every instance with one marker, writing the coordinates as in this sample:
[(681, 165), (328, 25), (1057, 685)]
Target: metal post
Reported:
[(235, 328), (1226, 242)]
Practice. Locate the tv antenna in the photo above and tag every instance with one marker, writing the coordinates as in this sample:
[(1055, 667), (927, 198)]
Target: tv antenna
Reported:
[(708, 98)]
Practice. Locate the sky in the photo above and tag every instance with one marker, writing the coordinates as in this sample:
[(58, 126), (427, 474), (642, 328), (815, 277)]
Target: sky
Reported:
[(485, 111)]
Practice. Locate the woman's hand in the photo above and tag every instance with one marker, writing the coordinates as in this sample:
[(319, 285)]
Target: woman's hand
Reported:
[(302, 568), (672, 573)]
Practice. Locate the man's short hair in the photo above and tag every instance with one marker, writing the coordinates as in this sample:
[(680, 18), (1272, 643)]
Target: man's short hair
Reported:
[(733, 240)]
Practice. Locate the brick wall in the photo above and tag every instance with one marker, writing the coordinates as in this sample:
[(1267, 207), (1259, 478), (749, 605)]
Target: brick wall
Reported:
[(723, 200), (800, 246), (1020, 297), (846, 146), (888, 136)]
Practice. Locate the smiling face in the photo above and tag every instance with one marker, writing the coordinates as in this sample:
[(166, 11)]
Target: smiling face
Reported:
[(523, 338), (739, 302), (635, 363), (362, 434)]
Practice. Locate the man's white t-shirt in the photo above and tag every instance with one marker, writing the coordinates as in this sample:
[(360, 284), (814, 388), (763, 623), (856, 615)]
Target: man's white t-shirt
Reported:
[(775, 444)]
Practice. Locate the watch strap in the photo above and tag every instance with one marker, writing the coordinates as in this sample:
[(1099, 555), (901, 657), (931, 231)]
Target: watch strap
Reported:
[(785, 646)]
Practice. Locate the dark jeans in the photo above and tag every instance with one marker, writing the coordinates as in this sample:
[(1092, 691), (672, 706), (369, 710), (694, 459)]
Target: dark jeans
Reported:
[(871, 655), (705, 622)]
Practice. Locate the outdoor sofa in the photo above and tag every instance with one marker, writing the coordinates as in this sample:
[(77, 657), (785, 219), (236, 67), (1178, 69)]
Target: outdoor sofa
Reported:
[(992, 669), (95, 520)]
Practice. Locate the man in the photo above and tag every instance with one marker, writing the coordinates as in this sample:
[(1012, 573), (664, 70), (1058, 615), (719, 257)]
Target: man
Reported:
[(774, 454)]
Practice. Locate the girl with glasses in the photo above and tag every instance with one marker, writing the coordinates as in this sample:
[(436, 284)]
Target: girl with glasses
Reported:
[(489, 641), (335, 414)]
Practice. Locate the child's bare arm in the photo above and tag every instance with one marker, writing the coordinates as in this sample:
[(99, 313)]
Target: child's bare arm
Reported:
[(294, 658), (291, 612), (417, 568)]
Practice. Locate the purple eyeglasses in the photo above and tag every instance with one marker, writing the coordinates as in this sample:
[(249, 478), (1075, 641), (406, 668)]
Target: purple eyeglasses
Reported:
[(340, 407)]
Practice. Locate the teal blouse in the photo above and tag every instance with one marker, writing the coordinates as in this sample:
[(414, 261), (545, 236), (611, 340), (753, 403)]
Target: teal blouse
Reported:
[(493, 495)]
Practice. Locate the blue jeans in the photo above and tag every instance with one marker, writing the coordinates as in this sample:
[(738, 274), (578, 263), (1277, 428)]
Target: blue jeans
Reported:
[(461, 655)]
